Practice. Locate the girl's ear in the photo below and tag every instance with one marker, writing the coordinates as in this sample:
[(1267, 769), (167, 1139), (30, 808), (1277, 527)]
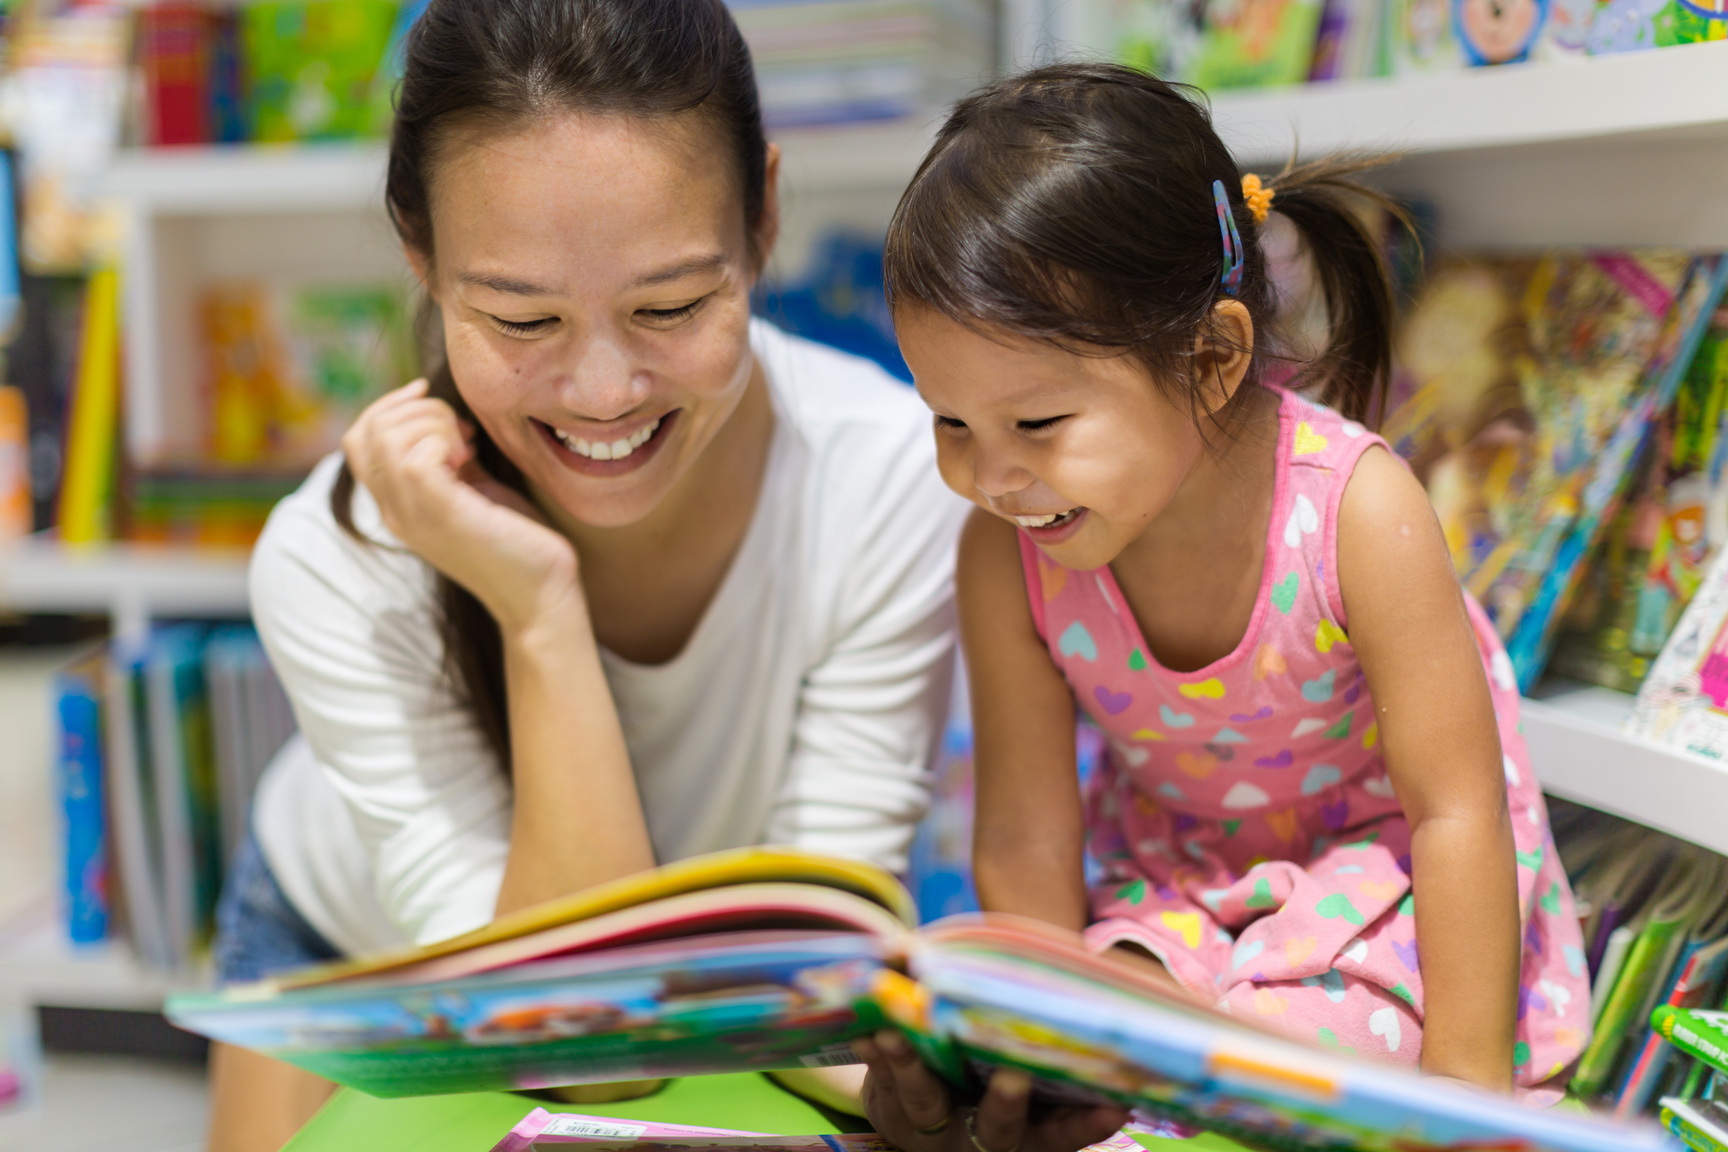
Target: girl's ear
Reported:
[(1222, 353)]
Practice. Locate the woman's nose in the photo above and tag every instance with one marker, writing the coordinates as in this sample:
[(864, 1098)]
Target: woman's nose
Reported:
[(599, 381)]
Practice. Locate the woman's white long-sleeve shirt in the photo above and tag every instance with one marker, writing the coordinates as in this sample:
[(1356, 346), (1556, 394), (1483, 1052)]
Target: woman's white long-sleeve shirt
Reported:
[(803, 710)]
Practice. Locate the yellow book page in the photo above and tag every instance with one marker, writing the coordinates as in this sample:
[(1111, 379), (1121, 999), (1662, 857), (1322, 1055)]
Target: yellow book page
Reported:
[(714, 870)]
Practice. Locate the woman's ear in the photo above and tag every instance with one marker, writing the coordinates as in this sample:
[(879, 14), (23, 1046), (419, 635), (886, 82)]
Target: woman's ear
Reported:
[(1223, 352), (768, 229), (422, 269)]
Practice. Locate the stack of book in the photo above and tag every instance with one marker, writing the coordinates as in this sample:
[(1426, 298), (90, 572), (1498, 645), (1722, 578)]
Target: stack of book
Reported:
[(161, 743), (849, 61)]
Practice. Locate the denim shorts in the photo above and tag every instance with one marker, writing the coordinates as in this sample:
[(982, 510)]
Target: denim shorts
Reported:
[(258, 932)]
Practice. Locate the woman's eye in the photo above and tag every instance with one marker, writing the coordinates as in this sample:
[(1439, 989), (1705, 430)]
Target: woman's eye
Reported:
[(1040, 425), (669, 315), (524, 327)]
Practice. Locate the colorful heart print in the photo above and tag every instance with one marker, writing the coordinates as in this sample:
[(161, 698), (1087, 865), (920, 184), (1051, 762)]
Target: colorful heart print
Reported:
[(1303, 727), (1283, 759), (1308, 441), (1212, 689), (1284, 592), (1052, 578), (1229, 736), (1113, 703), (1246, 951), (1304, 520), (1319, 778), (1327, 634), (1184, 924), (1077, 641), (1269, 662), (1173, 718), (1245, 795), (1197, 765), (1341, 730), (1338, 905), (1136, 661), (1383, 1022), (1319, 689)]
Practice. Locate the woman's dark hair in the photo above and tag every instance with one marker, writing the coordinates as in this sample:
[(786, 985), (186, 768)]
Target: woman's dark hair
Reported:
[(1074, 203), (497, 64)]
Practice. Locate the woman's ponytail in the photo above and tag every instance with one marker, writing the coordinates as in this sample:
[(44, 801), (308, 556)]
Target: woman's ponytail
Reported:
[(1321, 200)]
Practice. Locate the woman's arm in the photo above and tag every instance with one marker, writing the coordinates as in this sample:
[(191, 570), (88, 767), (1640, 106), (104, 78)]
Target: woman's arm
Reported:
[(1028, 840), (576, 820), (1408, 626)]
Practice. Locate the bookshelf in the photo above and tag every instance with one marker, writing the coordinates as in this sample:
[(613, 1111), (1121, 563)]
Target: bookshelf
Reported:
[(1618, 150)]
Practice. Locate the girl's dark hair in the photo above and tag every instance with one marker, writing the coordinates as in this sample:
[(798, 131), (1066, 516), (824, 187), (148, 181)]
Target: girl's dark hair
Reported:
[(1074, 203), (496, 64)]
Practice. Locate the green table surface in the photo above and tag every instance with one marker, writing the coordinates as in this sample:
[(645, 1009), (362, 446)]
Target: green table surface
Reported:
[(474, 1122)]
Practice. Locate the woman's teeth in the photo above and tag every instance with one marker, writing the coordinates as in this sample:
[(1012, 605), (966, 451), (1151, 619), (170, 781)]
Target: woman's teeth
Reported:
[(1045, 521), (600, 449)]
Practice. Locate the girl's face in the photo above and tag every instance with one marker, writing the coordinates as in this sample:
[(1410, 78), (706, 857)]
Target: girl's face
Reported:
[(1082, 452), (594, 275)]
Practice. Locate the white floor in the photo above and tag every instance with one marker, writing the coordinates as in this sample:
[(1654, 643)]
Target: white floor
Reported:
[(85, 1103)]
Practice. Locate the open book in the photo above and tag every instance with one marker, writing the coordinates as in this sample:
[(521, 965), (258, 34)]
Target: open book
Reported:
[(773, 958)]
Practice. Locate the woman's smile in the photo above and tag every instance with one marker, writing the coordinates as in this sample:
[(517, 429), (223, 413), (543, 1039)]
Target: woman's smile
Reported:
[(612, 454)]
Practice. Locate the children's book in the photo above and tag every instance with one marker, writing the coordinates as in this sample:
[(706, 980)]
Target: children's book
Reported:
[(1698, 983), (1690, 894), (78, 707), (1526, 388), (132, 789), (768, 958), (1684, 700), (1699, 1126), (310, 66), (1256, 43)]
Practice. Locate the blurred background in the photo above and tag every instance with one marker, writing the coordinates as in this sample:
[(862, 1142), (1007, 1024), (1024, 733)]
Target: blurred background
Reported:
[(199, 289)]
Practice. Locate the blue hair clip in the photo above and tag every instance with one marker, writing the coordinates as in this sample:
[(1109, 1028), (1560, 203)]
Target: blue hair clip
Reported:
[(1234, 256)]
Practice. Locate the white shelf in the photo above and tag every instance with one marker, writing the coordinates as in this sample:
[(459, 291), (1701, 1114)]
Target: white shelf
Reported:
[(239, 179), (1681, 90), (38, 965), (1579, 753), (132, 582), (251, 179)]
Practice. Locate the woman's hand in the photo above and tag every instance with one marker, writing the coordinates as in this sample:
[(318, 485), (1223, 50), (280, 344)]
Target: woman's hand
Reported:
[(911, 1108), (415, 457)]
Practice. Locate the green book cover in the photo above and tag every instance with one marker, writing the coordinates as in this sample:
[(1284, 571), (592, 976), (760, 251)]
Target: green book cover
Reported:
[(1619, 1013), (310, 66), (1257, 43), (1698, 1032)]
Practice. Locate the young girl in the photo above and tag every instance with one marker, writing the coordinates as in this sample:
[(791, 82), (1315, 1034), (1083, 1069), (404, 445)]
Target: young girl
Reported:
[(1315, 775)]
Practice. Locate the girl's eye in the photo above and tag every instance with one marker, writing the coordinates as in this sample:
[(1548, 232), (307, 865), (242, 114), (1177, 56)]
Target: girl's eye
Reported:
[(1040, 425), (524, 327), (949, 422)]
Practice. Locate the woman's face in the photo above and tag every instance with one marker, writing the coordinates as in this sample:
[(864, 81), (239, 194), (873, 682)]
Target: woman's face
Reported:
[(594, 275)]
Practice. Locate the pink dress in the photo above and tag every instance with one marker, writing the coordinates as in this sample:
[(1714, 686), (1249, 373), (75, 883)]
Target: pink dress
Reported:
[(1248, 833)]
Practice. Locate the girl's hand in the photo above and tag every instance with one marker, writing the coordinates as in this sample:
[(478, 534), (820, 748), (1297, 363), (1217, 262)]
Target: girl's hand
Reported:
[(911, 1108), (416, 459)]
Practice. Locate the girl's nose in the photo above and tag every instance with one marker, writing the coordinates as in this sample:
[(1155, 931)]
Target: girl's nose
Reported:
[(996, 476)]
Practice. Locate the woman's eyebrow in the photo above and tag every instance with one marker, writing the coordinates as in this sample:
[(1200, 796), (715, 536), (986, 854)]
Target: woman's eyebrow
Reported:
[(505, 284), (712, 262)]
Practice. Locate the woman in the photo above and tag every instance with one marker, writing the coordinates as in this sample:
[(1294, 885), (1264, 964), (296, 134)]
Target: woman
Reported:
[(633, 577)]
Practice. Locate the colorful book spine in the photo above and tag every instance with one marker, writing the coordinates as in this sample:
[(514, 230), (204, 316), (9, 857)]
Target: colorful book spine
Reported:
[(1700, 974), (1621, 1011), (173, 48), (15, 512), (78, 705), (87, 490)]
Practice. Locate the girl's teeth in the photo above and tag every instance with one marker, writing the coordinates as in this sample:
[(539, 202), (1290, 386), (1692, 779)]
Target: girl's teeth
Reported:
[(1042, 521), (602, 450)]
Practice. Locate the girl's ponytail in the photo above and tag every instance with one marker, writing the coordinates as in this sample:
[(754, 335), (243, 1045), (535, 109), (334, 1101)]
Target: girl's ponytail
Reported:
[(1349, 258), (1081, 203)]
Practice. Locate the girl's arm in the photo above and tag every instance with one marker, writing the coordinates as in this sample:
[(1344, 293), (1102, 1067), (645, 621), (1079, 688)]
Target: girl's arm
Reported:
[(576, 817), (1028, 841), (1407, 624)]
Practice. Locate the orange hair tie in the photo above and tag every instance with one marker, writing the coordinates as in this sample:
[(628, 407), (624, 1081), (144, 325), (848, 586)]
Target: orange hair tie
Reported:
[(1258, 197)]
